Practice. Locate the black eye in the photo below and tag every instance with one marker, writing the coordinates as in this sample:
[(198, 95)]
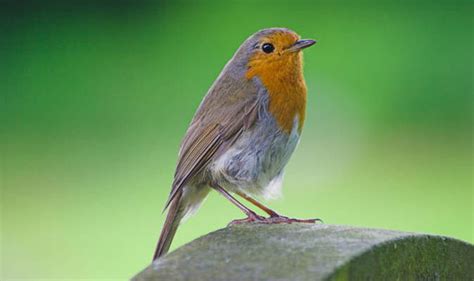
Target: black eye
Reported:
[(268, 48)]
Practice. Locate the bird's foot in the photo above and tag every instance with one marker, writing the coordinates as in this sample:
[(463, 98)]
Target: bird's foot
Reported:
[(273, 219), (277, 219), (250, 219)]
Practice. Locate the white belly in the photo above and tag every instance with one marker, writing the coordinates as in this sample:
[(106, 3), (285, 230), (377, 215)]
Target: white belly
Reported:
[(254, 164)]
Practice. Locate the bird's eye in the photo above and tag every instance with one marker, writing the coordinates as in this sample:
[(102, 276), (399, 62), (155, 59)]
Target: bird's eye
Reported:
[(268, 48)]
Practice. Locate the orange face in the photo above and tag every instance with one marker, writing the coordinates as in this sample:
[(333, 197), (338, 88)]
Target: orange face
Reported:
[(273, 54), (276, 61)]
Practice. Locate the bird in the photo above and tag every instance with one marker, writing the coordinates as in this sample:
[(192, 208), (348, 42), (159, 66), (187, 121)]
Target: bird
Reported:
[(243, 132)]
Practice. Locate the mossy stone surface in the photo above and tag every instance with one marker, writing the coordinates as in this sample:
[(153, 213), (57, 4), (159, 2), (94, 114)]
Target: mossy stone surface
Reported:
[(314, 252)]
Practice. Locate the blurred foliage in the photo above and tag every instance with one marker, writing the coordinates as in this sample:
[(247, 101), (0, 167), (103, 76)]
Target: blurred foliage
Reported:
[(96, 97)]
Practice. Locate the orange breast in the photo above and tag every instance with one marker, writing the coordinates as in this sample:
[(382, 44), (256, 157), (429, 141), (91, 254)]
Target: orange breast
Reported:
[(283, 79)]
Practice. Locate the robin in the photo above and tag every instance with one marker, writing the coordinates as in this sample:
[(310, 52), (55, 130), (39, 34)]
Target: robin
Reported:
[(244, 131)]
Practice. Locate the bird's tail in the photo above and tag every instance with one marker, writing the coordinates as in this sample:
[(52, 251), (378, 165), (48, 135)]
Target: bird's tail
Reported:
[(174, 216)]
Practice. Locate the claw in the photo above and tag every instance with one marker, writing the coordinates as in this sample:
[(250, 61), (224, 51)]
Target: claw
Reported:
[(282, 219), (249, 219), (274, 219)]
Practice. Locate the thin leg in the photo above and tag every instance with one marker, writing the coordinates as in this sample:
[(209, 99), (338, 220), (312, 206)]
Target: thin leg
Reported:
[(267, 210), (274, 216), (251, 215)]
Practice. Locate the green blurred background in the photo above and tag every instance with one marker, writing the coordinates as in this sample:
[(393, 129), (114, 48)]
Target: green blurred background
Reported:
[(96, 96)]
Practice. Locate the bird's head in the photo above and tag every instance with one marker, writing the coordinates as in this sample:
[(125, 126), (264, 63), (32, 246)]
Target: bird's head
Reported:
[(274, 52)]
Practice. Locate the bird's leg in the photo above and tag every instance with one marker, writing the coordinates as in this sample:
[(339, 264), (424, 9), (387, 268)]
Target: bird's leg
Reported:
[(251, 215), (274, 216), (267, 210)]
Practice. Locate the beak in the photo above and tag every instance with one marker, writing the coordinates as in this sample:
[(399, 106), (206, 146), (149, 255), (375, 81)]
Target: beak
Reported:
[(301, 44)]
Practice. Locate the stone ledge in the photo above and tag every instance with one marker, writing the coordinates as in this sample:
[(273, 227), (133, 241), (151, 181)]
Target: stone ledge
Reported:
[(315, 252)]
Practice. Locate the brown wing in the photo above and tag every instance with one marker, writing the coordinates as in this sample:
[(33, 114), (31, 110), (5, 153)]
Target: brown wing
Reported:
[(214, 128)]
